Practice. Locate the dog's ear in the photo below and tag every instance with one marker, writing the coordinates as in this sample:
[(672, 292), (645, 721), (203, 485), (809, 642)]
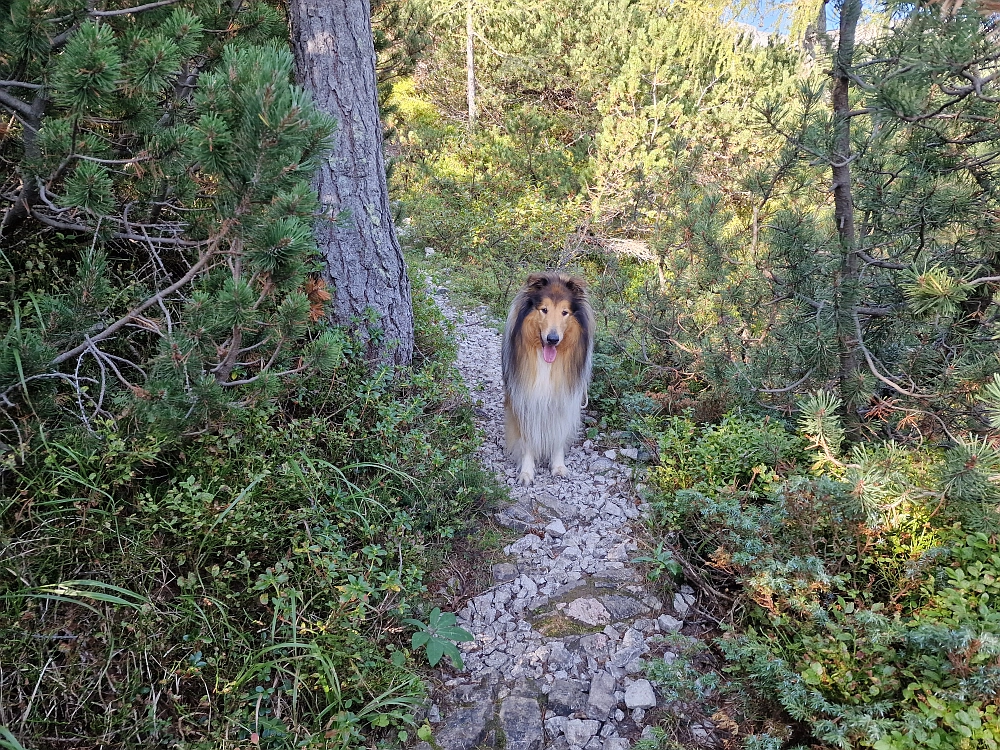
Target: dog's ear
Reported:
[(577, 287), (537, 281)]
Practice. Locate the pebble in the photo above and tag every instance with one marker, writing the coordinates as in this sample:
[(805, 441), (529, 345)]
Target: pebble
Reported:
[(683, 602)]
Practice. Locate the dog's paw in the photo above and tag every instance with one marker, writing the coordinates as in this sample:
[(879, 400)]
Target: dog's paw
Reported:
[(560, 471), (526, 477)]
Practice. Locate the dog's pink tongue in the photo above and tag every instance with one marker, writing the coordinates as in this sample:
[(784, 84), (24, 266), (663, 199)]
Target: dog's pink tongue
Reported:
[(549, 354)]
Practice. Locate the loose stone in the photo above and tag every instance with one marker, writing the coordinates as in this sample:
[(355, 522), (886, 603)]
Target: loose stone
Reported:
[(602, 696), (683, 602), (669, 624), (521, 721), (556, 528), (640, 695), (579, 731), (566, 697)]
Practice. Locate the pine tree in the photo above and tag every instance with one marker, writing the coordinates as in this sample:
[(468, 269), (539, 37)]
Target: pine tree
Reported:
[(178, 159), (856, 257), (910, 302)]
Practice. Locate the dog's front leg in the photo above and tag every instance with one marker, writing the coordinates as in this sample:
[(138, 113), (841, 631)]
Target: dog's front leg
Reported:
[(558, 464), (527, 475)]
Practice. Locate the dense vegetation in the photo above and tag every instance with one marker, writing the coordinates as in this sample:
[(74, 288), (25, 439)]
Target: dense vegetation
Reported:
[(215, 513), (215, 517), (823, 403)]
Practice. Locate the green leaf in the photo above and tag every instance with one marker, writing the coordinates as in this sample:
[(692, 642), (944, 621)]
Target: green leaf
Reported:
[(455, 655), (455, 633), (8, 741), (435, 650)]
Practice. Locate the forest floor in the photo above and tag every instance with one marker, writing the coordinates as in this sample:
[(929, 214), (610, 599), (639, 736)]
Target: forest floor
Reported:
[(563, 636)]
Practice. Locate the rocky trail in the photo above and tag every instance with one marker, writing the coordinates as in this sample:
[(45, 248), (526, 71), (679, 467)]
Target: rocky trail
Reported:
[(560, 639)]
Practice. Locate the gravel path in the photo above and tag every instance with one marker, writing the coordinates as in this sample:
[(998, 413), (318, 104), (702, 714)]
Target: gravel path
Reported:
[(560, 638)]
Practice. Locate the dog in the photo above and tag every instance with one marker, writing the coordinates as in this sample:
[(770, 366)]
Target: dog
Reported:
[(547, 355)]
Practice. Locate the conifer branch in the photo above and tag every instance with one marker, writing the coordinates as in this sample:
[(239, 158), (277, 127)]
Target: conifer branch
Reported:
[(135, 312), (20, 85), (791, 387), (247, 381), (870, 360), (126, 11), (16, 105), (984, 280), (74, 227), (869, 260)]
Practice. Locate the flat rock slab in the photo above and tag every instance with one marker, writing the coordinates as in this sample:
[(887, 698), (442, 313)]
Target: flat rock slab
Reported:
[(623, 607), (521, 722), (589, 611)]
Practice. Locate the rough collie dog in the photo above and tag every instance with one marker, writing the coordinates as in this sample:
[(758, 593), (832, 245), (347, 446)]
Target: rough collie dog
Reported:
[(548, 347)]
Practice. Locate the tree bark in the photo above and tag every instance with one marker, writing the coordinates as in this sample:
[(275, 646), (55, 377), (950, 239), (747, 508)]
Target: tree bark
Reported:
[(846, 283), (470, 67), (335, 61), (28, 195)]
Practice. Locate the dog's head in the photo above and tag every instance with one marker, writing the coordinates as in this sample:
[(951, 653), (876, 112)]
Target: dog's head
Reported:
[(553, 304)]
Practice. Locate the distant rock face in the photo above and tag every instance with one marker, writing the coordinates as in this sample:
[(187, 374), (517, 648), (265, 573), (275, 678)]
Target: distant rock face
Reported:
[(562, 637)]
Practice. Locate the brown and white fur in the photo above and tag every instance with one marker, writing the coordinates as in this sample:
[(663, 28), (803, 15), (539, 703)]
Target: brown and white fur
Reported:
[(548, 347)]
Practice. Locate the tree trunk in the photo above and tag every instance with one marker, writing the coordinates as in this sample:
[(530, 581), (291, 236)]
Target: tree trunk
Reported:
[(470, 67), (846, 283), (335, 61)]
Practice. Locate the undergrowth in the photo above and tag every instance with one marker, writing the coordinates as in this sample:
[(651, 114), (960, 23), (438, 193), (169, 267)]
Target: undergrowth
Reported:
[(857, 594), (242, 582)]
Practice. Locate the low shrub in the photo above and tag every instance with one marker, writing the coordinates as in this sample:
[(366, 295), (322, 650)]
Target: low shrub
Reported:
[(858, 600), (243, 582)]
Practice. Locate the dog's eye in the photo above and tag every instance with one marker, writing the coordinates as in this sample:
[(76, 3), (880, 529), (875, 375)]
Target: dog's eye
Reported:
[(565, 313), (545, 311)]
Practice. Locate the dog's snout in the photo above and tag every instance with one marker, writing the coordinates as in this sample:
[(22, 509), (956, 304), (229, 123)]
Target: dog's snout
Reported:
[(552, 339)]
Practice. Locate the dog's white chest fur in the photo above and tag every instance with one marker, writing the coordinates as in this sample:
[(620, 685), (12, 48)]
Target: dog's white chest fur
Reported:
[(548, 412)]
